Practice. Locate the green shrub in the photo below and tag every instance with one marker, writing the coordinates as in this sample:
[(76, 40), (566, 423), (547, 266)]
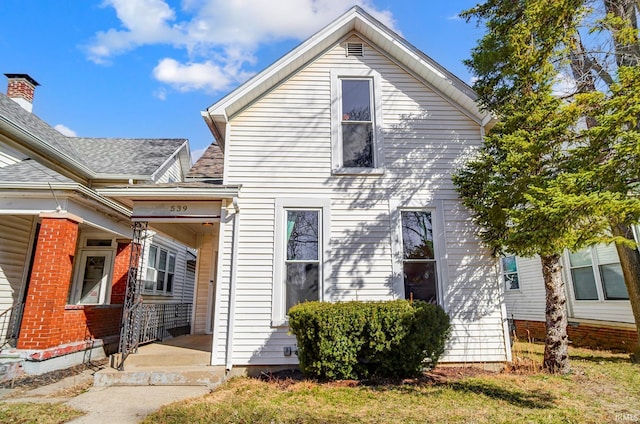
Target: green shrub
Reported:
[(356, 340)]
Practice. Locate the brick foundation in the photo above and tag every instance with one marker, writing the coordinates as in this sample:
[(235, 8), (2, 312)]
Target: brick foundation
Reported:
[(583, 335)]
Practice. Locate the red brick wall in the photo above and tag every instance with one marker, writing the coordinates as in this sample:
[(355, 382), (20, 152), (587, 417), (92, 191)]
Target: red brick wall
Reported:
[(583, 335), (49, 284), (48, 321)]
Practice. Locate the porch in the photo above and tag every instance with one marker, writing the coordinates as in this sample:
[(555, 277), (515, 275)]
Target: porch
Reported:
[(180, 361)]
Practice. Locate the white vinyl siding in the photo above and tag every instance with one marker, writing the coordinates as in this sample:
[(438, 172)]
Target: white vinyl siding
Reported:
[(528, 303), (17, 236), (281, 147), (171, 172)]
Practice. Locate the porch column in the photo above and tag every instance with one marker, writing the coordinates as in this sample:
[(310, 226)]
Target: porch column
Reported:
[(51, 277)]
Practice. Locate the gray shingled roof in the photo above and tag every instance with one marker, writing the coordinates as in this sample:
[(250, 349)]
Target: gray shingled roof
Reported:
[(210, 164), (31, 171), (141, 156), (120, 156)]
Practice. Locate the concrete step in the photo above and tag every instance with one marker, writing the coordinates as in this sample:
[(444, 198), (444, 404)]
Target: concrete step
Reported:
[(161, 376)]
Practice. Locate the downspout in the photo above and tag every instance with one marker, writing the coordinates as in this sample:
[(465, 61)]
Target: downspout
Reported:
[(232, 286)]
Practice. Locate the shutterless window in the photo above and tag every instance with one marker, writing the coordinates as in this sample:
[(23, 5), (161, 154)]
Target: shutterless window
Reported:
[(160, 271), (510, 272), (596, 274), (419, 263), (357, 123), (302, 263)]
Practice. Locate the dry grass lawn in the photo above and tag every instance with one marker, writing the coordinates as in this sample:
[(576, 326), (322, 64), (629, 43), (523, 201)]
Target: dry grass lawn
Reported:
[(603, 388)]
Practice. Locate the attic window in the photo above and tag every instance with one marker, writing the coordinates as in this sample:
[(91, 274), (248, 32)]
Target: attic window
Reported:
[(355, 49)]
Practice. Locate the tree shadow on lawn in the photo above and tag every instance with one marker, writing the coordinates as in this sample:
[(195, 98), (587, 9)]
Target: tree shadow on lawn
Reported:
[(457, 379)]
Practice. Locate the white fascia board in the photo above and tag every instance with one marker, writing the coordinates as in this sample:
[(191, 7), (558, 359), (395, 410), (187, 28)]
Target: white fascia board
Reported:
[(42, 147), (24, 190), (221, 192), (122, 177)]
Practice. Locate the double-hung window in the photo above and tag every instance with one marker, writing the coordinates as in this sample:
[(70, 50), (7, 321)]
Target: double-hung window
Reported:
[(509, 268), (418, 256), (302, 232), (596, 274), (302, 258), (356, 122), (161, 268)]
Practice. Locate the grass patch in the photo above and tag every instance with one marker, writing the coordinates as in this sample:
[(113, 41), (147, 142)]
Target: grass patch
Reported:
[(40, 413), (604, 387)]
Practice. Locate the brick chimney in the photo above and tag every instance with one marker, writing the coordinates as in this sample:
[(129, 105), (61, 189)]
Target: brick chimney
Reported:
[(20, 89)]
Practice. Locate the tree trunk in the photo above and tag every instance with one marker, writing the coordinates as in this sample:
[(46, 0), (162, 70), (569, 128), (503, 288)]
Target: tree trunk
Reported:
[(556, 346), (630, 262)]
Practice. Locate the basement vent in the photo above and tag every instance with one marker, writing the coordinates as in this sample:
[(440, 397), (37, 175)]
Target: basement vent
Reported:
[(355, 49)]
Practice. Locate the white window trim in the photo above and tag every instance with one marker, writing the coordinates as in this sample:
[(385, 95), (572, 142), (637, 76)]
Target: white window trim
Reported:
[(170, 253), (278, 303), (439, 244), (336, 122), (595, 268), (502, 274)]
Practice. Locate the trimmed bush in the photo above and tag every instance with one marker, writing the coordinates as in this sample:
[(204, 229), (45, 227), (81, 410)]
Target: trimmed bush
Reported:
[(357, 340)]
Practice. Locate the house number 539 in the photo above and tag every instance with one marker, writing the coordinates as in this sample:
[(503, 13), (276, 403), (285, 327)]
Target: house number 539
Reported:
[(178, 208)]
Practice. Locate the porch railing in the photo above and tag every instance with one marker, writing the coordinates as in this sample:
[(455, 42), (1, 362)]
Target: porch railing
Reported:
[(162, 320), (10, 320)]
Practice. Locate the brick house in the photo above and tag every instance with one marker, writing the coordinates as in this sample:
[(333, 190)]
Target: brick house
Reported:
[(65, 250)]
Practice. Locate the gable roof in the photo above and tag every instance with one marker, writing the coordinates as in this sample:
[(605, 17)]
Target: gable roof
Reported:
[(355, 20), (209, 165), (88, 158)]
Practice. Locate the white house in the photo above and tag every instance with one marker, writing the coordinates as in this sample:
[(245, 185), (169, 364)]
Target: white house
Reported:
[(333, 182), (598, 307)]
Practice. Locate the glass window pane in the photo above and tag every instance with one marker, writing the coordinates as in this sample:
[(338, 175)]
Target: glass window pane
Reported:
[(162, 262), (580, 258), (509, 264), (356, 100), (420, 280), (606, 253), (99, 242), (584, 283), (172, 263), (160, 281), (169, 283), (613, 282), (417, 235), (302, 235), (302, 282), (357, 142), (153, 251), (94, 271), (512, 281)]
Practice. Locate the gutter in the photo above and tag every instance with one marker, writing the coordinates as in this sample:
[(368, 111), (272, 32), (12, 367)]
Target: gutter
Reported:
[(232, 287)]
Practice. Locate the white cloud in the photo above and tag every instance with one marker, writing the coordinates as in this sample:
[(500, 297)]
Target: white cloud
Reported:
[(65, 130), (220, 37), (564, 85)]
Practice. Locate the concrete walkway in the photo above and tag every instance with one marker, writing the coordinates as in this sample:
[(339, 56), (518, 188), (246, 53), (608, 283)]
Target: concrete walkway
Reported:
[(112, 405)]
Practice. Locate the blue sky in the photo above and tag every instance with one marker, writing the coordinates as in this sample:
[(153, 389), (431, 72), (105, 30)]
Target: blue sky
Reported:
[(146, 68)]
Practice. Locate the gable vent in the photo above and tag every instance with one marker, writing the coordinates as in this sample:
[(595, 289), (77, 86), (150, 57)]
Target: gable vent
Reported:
[(355, 49)]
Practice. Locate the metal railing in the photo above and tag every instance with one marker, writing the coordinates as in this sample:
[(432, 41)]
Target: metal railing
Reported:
[(10, 321), (162, 320), (10, 325)]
